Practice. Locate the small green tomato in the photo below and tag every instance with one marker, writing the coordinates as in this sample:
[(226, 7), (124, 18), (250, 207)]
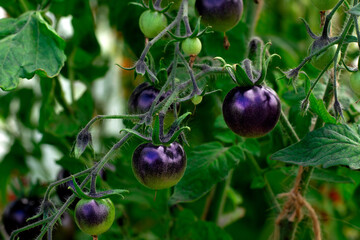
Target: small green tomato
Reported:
[(197, 99), (191, 46), (322, 60), (152, 23), (355, 82)]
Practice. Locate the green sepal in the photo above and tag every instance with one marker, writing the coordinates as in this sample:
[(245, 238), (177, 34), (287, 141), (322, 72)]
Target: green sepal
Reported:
[(101, 195), (242, 78), (124, 68), (177, 38), (137, 4), (197, 28), (166, 8), (151, 5), (265, 64), (173, 133), (347, 68), (176, 134), (156, 131), (136, 133)]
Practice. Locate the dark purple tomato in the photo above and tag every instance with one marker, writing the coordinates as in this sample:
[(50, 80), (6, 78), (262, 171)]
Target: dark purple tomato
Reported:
[(142, 97), (94, 217), (16, 214), (159, 167), (251, 111), (222, 15), (63, 190)]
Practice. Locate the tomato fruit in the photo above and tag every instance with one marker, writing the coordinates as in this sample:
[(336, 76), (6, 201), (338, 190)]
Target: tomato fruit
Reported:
[(142, 97), (152, 23), (159, 167), (323, 59), (16, 214), (355, 82), (222, 15), (196, 100), (251, 111), (324, 4), (191, 46), (94, 217)]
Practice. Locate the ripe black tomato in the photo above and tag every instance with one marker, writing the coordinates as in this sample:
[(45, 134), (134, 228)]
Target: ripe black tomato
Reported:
[(142, 97), (222, 15), (16, 214), (94, 217), (251, 111), (159, 167)]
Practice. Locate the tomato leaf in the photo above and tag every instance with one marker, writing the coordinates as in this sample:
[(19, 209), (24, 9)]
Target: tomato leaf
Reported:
[(208, 164), (187, 226), (317, 105), (328, 146), (28, 45)]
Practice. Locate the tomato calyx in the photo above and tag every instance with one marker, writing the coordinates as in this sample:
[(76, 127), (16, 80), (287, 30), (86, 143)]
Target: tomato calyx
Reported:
[(93, 194), (245, 74), (153, 7)]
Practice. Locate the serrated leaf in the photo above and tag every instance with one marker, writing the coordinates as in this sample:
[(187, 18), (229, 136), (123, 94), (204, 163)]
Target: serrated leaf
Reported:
[(207, 165), (328, 146), (28, 45)]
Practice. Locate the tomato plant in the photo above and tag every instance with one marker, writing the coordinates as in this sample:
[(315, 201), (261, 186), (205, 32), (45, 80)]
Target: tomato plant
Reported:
[(146, 104)]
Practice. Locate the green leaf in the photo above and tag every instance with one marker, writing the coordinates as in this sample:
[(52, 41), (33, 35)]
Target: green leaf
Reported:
[(258, 182), (318, 106), (355, 10), (328, 146), (28, 45), (207, 165), (187, 227)]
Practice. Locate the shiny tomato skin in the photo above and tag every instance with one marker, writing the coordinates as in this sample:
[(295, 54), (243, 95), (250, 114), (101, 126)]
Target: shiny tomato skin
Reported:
[(221, 15), (94, 217), (159, 167), (251, 111)]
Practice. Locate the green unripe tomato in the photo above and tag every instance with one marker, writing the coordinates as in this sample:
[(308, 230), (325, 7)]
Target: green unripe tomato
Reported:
[(355, 82), (152, 23), (94, 217), (196, 100), (191, 46), (322, 60), (324, 4)]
